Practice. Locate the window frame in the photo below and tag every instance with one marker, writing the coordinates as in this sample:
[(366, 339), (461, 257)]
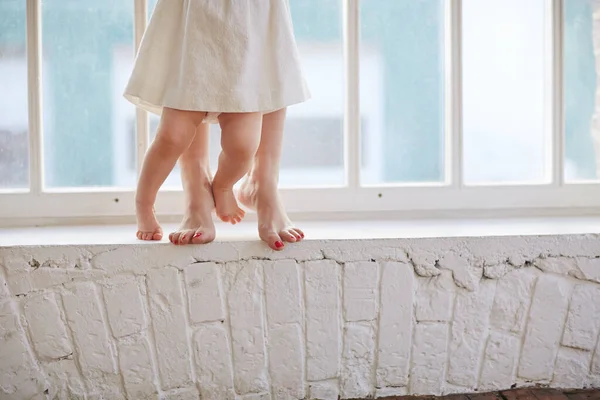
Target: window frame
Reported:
[(40, 205)]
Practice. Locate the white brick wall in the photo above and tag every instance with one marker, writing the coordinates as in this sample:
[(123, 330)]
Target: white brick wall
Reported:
[(320, 320)]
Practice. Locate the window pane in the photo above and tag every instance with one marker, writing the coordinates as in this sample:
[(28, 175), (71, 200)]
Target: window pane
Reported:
[(14, 122), (87, 122), (582, 108), (402, 91), (505, 91)]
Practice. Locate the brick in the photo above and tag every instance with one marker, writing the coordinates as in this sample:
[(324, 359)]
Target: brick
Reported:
[(589, 269), (84, 316), (464, 275), (3, 286), (545, 327), (48, 332), (213, 362), (323, 390), (435, 298), (468, 334), (519, 394), (513, 297), (583, 319), (65, 379), (322, 319), (429, 359), (124, 308), (595, 369), (571, 368), (286, 362), (282, 292), (358, 361), (256, 396), (244, 299), (395, 324), (360, 291), (136, 368), (390, 392), (170, 328), (19, 377), (557, 265), (500, 361), (190, 393), (203, 282)]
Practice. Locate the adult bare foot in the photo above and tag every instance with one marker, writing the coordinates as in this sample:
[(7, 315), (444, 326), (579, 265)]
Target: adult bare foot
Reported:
[(274, 226), (148, 226), (226, 205), (197, 226)]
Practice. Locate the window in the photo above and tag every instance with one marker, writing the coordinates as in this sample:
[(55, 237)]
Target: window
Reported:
[(419, 107)]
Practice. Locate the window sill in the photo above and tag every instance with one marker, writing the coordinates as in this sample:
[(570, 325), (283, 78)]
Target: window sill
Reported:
[(315, 231)]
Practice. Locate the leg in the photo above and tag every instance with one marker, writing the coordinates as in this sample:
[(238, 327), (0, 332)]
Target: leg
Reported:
[(175, 133), (240, 136), (259, 190), (197, 226)]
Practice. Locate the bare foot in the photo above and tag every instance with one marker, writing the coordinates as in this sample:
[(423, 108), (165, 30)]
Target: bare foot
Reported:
[(148, 226), (226, 205), (274, 226), (197, 226)]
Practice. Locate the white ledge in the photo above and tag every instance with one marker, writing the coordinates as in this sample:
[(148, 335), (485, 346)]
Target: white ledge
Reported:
[(332, 230)]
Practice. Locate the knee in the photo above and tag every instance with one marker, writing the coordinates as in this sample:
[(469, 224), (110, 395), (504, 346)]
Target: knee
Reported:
[(242, 150), (174, 139)]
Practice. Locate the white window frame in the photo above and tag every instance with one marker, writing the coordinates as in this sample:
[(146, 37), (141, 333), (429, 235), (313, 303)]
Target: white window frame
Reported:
[(40, 205)]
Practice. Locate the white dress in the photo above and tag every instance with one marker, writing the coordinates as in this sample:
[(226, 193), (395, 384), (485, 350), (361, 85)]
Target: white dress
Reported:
[(218, 56)]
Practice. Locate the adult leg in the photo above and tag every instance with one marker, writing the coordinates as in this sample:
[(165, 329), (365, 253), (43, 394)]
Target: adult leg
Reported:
[(259, 189)]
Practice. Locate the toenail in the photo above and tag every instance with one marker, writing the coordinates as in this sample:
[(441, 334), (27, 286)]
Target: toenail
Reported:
[(302, 234), (279, 244), (197, 235)]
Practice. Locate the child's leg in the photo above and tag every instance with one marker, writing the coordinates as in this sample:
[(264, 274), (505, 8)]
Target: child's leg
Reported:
[(175, 133), (197, 226), (259, 190), (240, 136)]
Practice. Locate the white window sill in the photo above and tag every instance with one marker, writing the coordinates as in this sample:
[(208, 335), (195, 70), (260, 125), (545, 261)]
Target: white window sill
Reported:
[(315, 231)]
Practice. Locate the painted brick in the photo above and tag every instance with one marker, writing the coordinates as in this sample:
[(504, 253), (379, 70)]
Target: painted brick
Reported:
[(571, 369), (322, 319), (435, 298), (500, 361), (545, 327), (190, 393), (391, 392), (48, 332), (358, 361), (19, 377), (124, 308), (583, 320), (213, 362), (3, 286), (469, 333), (205, 299), (589, 269), (360, 291), (169, 327), (395, 324), (513, 297), (65, 379), (429, 358), (82, 309), (282, 291), (244, 298), (323, 390), (135, 361), (286, 362), (595, 369), (464, 274)]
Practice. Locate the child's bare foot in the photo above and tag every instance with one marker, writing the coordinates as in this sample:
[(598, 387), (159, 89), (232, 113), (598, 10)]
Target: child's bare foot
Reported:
[(226, 205), (274, 226), (197, 226), (148, 226)]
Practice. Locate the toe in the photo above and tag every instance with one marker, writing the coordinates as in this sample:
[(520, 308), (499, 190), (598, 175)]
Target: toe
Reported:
[(139, 235), (174, 237), (273, 240), (146, 235), (157, 235), (287, 236), (186, 237), (198, 237), (298, 233)]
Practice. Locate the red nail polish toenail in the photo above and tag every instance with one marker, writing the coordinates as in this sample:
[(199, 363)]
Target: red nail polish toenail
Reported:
[(302, 234), (197, 235), (279, 244)]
